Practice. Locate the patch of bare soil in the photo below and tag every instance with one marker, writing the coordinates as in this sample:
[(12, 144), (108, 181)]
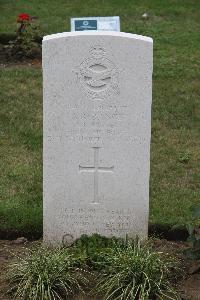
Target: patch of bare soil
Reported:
[(189, 287), (9, 61), (28, 62)]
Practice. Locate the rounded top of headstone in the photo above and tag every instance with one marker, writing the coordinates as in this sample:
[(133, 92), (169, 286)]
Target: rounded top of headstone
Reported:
[(97, 33)]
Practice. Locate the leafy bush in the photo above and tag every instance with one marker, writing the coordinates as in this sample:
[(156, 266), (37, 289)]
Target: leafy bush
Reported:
[(46, 274), (194, 234), (87, 249), (26, 42), (135, 271)]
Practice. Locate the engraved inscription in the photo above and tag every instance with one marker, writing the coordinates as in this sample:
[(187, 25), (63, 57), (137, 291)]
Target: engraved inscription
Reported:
[(95, 123), (67, 239), (115, 220), (98, 75), (95, 169)]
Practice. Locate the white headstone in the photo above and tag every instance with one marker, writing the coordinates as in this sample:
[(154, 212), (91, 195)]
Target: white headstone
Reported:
[(97, 127)]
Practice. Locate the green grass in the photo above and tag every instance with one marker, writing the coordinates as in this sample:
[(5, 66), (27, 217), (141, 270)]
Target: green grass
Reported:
[(21, 149), (174, 185), (55, 16)]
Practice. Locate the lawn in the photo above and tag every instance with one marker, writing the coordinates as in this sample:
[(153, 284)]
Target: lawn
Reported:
[(21, 149), (175, 148)]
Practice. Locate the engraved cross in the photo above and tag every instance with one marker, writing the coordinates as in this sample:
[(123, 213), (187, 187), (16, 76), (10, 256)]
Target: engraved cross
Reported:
[(95, 169)]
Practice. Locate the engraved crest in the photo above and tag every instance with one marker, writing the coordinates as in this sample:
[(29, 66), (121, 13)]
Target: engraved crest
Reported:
[(98, 75)]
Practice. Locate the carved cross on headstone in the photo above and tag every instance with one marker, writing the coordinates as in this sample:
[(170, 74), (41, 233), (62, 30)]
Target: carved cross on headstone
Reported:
[(95, 169)]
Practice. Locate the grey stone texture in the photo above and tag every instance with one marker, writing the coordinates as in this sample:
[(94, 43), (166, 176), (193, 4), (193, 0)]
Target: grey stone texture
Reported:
[(97, 129)]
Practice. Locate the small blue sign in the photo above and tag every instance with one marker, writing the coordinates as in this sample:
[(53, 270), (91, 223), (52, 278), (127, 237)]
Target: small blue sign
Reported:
[(95, 23), (81, 25)]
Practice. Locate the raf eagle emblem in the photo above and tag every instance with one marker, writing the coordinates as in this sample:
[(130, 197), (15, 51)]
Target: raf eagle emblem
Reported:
[(98, 75)]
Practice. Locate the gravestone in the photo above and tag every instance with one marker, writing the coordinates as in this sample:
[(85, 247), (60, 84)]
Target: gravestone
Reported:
[(97, 128)]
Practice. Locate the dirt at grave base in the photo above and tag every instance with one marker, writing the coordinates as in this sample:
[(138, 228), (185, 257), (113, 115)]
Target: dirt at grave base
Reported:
[(189, 287), (9, 250)]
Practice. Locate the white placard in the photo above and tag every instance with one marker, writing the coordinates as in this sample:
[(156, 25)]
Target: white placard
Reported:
[(95, 23)]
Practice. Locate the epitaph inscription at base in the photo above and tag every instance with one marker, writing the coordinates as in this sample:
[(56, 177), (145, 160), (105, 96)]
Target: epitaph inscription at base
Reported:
[(97, 126)]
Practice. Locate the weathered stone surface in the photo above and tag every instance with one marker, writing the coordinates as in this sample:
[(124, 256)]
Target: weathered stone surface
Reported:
[(97, 126)]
